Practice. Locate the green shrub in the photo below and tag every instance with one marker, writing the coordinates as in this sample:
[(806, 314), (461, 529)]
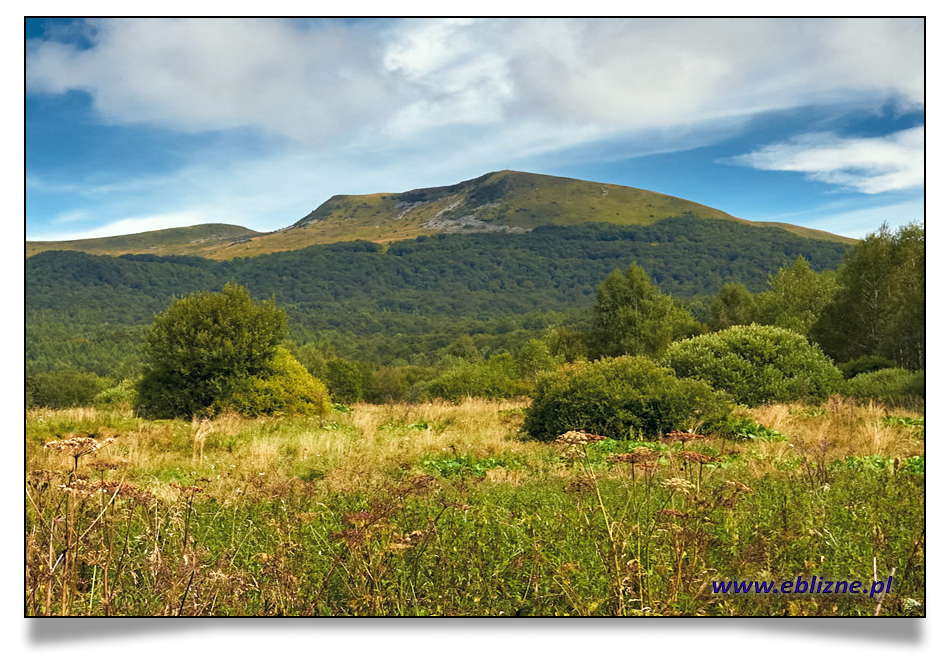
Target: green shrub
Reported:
[(742, 427), (622, 398), (534, 359), (123, 393), (757, 365), (284, 388), (347, 380), (65, 387), (495, 378), (890, 385), (202, 345), (388, 384), (859, 366)]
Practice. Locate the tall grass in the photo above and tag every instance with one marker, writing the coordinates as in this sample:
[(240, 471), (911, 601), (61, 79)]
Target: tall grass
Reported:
[(443, 509)]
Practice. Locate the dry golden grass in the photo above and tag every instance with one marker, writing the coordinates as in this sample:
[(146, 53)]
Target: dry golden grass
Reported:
[(353, 450), (851, 429), (362, 448)]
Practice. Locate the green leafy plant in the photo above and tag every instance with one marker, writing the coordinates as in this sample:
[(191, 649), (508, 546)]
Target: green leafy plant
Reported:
[(757, 365), (468, 466), (747, 429), (622, 398), (913, 465), (202, 346), (893, 385), (865, 463)]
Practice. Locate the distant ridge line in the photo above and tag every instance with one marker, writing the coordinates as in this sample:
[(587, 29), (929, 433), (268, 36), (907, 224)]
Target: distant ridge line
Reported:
[(503, 201)]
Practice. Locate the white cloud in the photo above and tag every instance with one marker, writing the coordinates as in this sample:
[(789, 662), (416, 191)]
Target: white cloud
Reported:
[(858, 222), (326, 83), (865, 164)]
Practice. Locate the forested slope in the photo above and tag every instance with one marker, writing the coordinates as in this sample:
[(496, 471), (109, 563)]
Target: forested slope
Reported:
[(424, 286)]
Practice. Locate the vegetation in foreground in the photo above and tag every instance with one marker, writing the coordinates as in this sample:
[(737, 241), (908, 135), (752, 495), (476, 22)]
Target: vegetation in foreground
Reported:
[(445, 509)]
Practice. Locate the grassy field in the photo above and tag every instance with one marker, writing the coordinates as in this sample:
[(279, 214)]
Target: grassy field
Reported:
[(441, 509)]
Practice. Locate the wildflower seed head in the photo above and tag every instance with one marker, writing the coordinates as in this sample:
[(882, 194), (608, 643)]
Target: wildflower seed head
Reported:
[(577, 437), (573, 454), (678, 485), (75, 446)]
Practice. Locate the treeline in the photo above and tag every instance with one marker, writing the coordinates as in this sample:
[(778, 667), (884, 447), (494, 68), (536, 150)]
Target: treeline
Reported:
[(550, 268), (404, 303), (873, 307), (868, 317)]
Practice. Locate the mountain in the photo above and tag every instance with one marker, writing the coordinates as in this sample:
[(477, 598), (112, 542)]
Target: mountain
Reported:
[(505, 201), (200, 240)]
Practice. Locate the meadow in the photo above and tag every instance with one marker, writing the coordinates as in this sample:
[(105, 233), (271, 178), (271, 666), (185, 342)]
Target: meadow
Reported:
[(447, 509)]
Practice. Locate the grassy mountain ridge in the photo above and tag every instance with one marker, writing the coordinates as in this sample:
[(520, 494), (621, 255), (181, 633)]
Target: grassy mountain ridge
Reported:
[(196, 240), (505, 201)]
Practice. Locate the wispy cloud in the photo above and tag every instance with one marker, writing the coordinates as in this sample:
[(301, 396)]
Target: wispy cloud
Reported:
[(865, 164), (857, 222), (133, 225)]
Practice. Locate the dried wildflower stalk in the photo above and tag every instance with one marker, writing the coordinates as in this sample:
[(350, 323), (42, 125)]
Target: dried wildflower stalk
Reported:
[(200, 429), (77, 447), (574, 438)]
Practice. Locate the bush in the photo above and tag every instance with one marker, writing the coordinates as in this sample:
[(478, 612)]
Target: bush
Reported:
[(284, 388), (65, 387), (494, 378), (347, 380), (894, 385), (202, 345), (757, 365), (859, 366), (405, 383), (622, 398), (123, 393), (534, 359), (388, 384)]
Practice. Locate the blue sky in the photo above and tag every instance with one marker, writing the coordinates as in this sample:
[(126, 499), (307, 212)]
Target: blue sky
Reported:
[(142, 124)]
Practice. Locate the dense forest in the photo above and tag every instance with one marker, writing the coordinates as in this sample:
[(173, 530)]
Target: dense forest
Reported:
[(414, 297)]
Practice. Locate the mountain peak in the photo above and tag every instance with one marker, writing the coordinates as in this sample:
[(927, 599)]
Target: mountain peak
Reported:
[(501, 201)]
